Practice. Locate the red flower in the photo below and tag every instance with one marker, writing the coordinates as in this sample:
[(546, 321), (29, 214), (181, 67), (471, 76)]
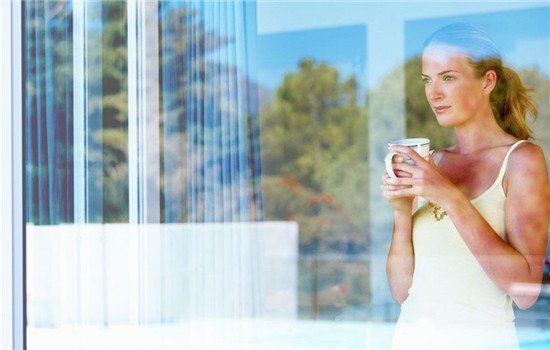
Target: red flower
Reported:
[(327, 198), (314, 200)]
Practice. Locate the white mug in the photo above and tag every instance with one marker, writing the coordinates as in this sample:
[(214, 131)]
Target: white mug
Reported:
[(420, 145)]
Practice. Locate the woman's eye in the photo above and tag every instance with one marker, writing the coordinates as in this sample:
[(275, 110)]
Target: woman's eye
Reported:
[(448, 78), (426, 80)]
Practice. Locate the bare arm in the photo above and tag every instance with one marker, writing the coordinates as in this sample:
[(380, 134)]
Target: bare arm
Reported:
[(518, 261), (400, 264), (515, 266)]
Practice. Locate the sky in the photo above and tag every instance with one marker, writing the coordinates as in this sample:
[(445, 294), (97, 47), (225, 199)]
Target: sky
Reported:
[(371, 38), (342, 46)]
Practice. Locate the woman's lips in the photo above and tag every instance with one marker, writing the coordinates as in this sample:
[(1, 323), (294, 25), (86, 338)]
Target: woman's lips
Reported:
[(441, 109)]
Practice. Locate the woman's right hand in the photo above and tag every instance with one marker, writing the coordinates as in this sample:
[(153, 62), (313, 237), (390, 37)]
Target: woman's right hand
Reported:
[(400, 203)]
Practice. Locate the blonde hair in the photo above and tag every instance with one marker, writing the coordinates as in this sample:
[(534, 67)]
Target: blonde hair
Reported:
[(510, 99)]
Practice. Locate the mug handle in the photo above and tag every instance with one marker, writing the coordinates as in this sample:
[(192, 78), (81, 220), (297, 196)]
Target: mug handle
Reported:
[(389, 163)]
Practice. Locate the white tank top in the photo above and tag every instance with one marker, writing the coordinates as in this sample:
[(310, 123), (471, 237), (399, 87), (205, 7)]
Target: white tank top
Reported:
[(451, 297)]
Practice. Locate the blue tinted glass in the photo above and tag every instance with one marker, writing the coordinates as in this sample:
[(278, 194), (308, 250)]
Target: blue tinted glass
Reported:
[(207, 173)]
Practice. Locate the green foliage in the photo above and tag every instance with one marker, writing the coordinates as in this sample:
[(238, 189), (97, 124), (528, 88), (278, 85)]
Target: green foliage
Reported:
[(114, 109), (314, 155), (315, 172), (312, 119)]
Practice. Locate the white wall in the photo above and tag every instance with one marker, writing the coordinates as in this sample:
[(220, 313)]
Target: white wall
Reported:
[(161, 273)]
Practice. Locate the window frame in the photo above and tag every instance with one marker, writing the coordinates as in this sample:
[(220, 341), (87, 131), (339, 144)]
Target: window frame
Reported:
[(12, 239)]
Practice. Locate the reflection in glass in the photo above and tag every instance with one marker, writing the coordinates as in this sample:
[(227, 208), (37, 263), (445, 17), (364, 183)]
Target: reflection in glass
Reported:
[(524, 28), (210, 107), (123, 120), (92, 141), (48, 113), (314, 161)]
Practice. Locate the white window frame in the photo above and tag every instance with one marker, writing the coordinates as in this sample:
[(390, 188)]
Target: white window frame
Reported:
[(143, 112), (143, 149), (12, 276)]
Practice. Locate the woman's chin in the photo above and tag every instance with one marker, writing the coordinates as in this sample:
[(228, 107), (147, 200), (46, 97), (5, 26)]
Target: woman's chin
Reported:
[(445, 122)]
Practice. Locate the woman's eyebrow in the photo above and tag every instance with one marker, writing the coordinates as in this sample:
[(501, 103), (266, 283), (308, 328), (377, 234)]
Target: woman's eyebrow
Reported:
[(440, 73), (447, 71)]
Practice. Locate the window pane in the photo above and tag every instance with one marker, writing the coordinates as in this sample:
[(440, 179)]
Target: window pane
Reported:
[(48, 107), (315, 161), (206, 173)]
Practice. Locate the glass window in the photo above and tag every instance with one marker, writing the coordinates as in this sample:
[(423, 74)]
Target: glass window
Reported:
[(206, 173), (314, 138)]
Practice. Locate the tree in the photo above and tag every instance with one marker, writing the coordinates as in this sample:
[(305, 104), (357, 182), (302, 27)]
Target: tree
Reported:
[(314, 162), (314, 156), (114, 109)]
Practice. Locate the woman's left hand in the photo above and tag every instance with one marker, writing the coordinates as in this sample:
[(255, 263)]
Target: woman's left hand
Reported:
[(426, 179)]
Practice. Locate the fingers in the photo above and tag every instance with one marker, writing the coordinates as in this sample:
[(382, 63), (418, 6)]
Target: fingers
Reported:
[(399, 160), (392, 189), (405, 169), (403, 192), (400, 173), (409, 152), (403, 181)]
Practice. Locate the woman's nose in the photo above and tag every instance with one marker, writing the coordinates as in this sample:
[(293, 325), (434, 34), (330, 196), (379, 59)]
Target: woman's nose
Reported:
[(434, 92)]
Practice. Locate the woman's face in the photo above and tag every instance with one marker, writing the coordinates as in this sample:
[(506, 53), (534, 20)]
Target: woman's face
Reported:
[(454, 93)]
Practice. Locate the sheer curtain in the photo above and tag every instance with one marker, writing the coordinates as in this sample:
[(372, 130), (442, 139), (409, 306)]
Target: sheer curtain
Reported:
[(209, 162), (143, 168), (210, 108), (48, 113)]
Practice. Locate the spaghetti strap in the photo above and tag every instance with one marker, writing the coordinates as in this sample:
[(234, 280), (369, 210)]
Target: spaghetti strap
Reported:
[(505, 161)]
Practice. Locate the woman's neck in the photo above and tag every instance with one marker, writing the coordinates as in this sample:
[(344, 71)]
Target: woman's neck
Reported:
[(481, 135)]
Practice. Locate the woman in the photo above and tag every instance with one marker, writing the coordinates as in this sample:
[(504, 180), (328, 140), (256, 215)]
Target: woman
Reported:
[(458, 263)]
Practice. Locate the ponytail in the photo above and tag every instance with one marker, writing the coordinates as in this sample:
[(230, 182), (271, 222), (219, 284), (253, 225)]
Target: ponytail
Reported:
[(510, 100)]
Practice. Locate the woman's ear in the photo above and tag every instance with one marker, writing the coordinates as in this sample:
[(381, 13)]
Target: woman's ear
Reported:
[(490, 81)]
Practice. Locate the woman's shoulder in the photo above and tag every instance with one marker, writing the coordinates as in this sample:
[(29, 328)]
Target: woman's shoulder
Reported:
[(527, 154), (527, 189), (527, 161)]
